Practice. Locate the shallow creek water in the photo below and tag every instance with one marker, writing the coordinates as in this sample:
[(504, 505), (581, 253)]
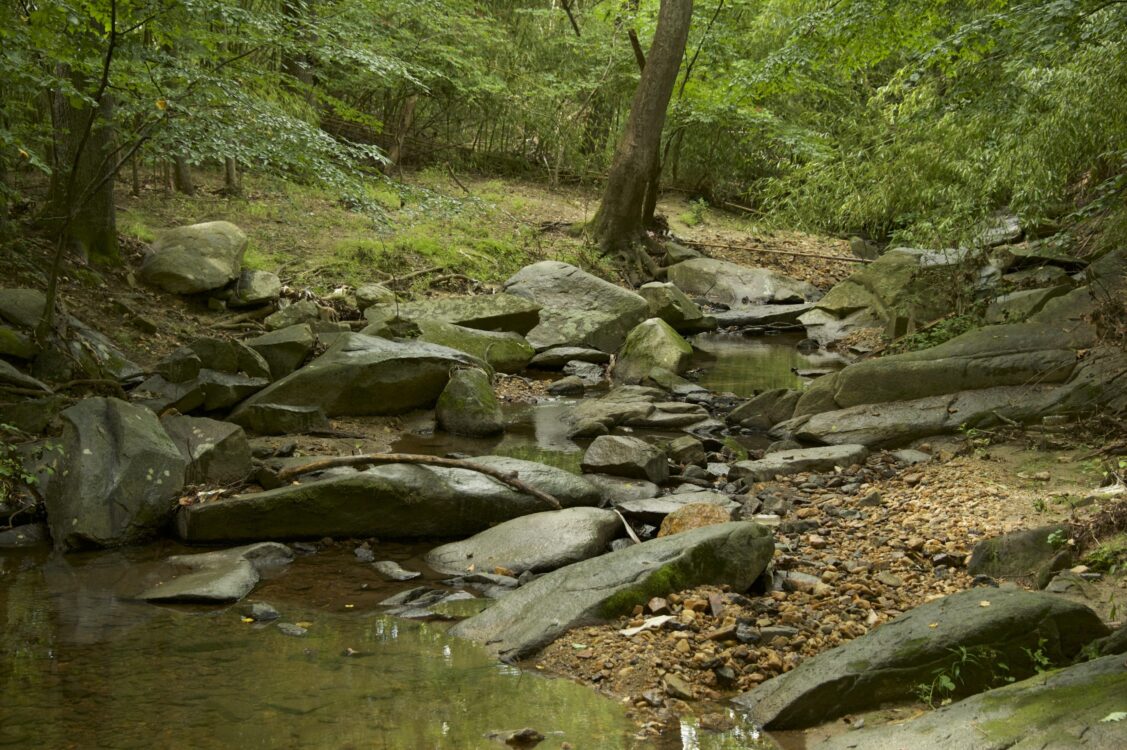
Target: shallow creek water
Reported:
[(82, 665), (747, 365)]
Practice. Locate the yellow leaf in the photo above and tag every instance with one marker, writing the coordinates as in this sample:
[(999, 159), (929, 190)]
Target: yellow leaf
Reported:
[(162, 104), (248, 619), (933, 625), (349, 606), (305, 625), (984, 603), (25, 154)]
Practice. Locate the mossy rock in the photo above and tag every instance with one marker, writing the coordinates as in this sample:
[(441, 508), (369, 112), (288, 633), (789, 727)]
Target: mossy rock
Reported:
[(651, 344), (468, 406), (503, 351)]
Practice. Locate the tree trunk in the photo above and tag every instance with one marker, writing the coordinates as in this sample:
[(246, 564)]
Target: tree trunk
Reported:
[(232, 180), (83, 191), (135, 170), (619, 222), (182, 176), (406, 120)]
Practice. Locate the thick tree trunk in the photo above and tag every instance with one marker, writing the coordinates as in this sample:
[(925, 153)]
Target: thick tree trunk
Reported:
[(619, 222), (232, 179), (83, 191), (135, 174), (406, 121), (182, 176)]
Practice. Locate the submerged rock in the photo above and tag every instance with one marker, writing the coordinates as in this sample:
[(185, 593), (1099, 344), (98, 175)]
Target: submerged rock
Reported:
[(887, 664), (612, 584), (224, 576), (539, 542)]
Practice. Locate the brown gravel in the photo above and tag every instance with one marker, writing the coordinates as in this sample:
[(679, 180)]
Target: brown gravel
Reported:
[(899, 540)]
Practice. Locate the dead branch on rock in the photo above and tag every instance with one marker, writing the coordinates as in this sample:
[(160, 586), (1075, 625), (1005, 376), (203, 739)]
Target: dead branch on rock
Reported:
[(366, 459)]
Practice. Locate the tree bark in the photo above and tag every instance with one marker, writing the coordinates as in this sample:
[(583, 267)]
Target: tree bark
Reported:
[(87, 194), (182, 176), (619, 222), (232, 179)]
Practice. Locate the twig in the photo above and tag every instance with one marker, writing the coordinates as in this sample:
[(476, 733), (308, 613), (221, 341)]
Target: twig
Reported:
[(414, 458), (775, 252), (261, 312), (454, 177), (451, 277), (395, 280), (1004, 418)]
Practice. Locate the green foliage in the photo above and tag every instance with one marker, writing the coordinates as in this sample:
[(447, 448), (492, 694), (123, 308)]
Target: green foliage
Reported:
[(939, 333), (13, 473), (1109, 556), (967, 664)]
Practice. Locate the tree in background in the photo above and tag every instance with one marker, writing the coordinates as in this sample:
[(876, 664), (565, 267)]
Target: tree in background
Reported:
[(619, 223)]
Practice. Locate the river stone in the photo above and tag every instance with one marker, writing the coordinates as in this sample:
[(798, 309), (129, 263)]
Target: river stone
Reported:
[(613, 584), (9, 375), (1027, 554), (255, 288), (616, 490), (22, 307), (734, 285), (651, 344), (1019, 306), (297, 313), (670, 304), (159, 395), (361, 375), (119, 477), (373, 294), (539, 542), (693, 516), (763, 315), (195, 258), (886, 664), (222, 390), (765, 410), (485, 312), (222, 576), (556, 357), (393, 571), (1059, 710), (13, 343), (27, 535), (654, 510), (468, 406), (625, 457), (686, 450), (633, 406), (786, 463), (1005, 355), (578, 309), (284, 350), (215, 452), (395, 501), (279, 419), (503, 351)]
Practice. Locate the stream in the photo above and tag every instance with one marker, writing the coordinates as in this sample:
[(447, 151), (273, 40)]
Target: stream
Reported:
[(83, 665)]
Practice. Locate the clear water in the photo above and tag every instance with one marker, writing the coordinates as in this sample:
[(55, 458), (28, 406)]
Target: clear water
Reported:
[(747, 365)]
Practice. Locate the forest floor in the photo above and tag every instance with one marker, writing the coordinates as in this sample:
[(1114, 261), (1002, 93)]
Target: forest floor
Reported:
[(468, 235)]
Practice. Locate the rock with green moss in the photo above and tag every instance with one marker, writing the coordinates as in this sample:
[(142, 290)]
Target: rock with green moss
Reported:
[(468, 405), (578, 309), (362, 375), (672, 305), (968, 635), (118, 478), (503, 351), (1030, 554), (732, 554), (765, 410), (393, 501), (284, 350), (484, 312), (16, 344), (195, 258), (1079, 706), (651, 344)]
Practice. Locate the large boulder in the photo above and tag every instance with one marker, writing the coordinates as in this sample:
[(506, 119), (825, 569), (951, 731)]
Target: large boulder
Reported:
[(217, 577), (503, 351), (485, 312), (361, 375), (396, 501), (578, 309), (624, 456), (887, 664), (539, 542), (285, 349), (613, 584), (673, 306), (195, 258), (216, 452), (652, 343), (1078, 706), (1033, 554), (786, 463), (739, 286), (467, 405), (118, 478)]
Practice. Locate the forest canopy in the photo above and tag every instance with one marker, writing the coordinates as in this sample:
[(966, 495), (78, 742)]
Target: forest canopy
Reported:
[(892, 119)]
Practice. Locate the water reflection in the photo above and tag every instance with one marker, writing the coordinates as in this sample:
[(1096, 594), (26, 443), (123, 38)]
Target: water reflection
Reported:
[(747, 365)]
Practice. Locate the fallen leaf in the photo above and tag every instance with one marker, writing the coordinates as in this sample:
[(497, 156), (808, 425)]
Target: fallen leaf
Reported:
[(653, 622), (248, 619), (933, 625), (984, 603), (1116, 716), (305, 625)]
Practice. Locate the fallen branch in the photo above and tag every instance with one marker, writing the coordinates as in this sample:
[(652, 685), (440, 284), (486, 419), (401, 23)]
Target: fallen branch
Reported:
[(629, 528), (451, 277), (373, 459), (255, 314), (395, 280), (842, 258)]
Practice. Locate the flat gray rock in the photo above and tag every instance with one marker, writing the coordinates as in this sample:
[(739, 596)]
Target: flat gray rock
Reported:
[(485, 312), (396, 501), (624, 456), (216, 452), (223, 576), (612, 584), (652, 510), (1062, 710), (619, 489), (762, 315), (539, 542), (886, 664), (738, 286), (824, 458), (557, 357)]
